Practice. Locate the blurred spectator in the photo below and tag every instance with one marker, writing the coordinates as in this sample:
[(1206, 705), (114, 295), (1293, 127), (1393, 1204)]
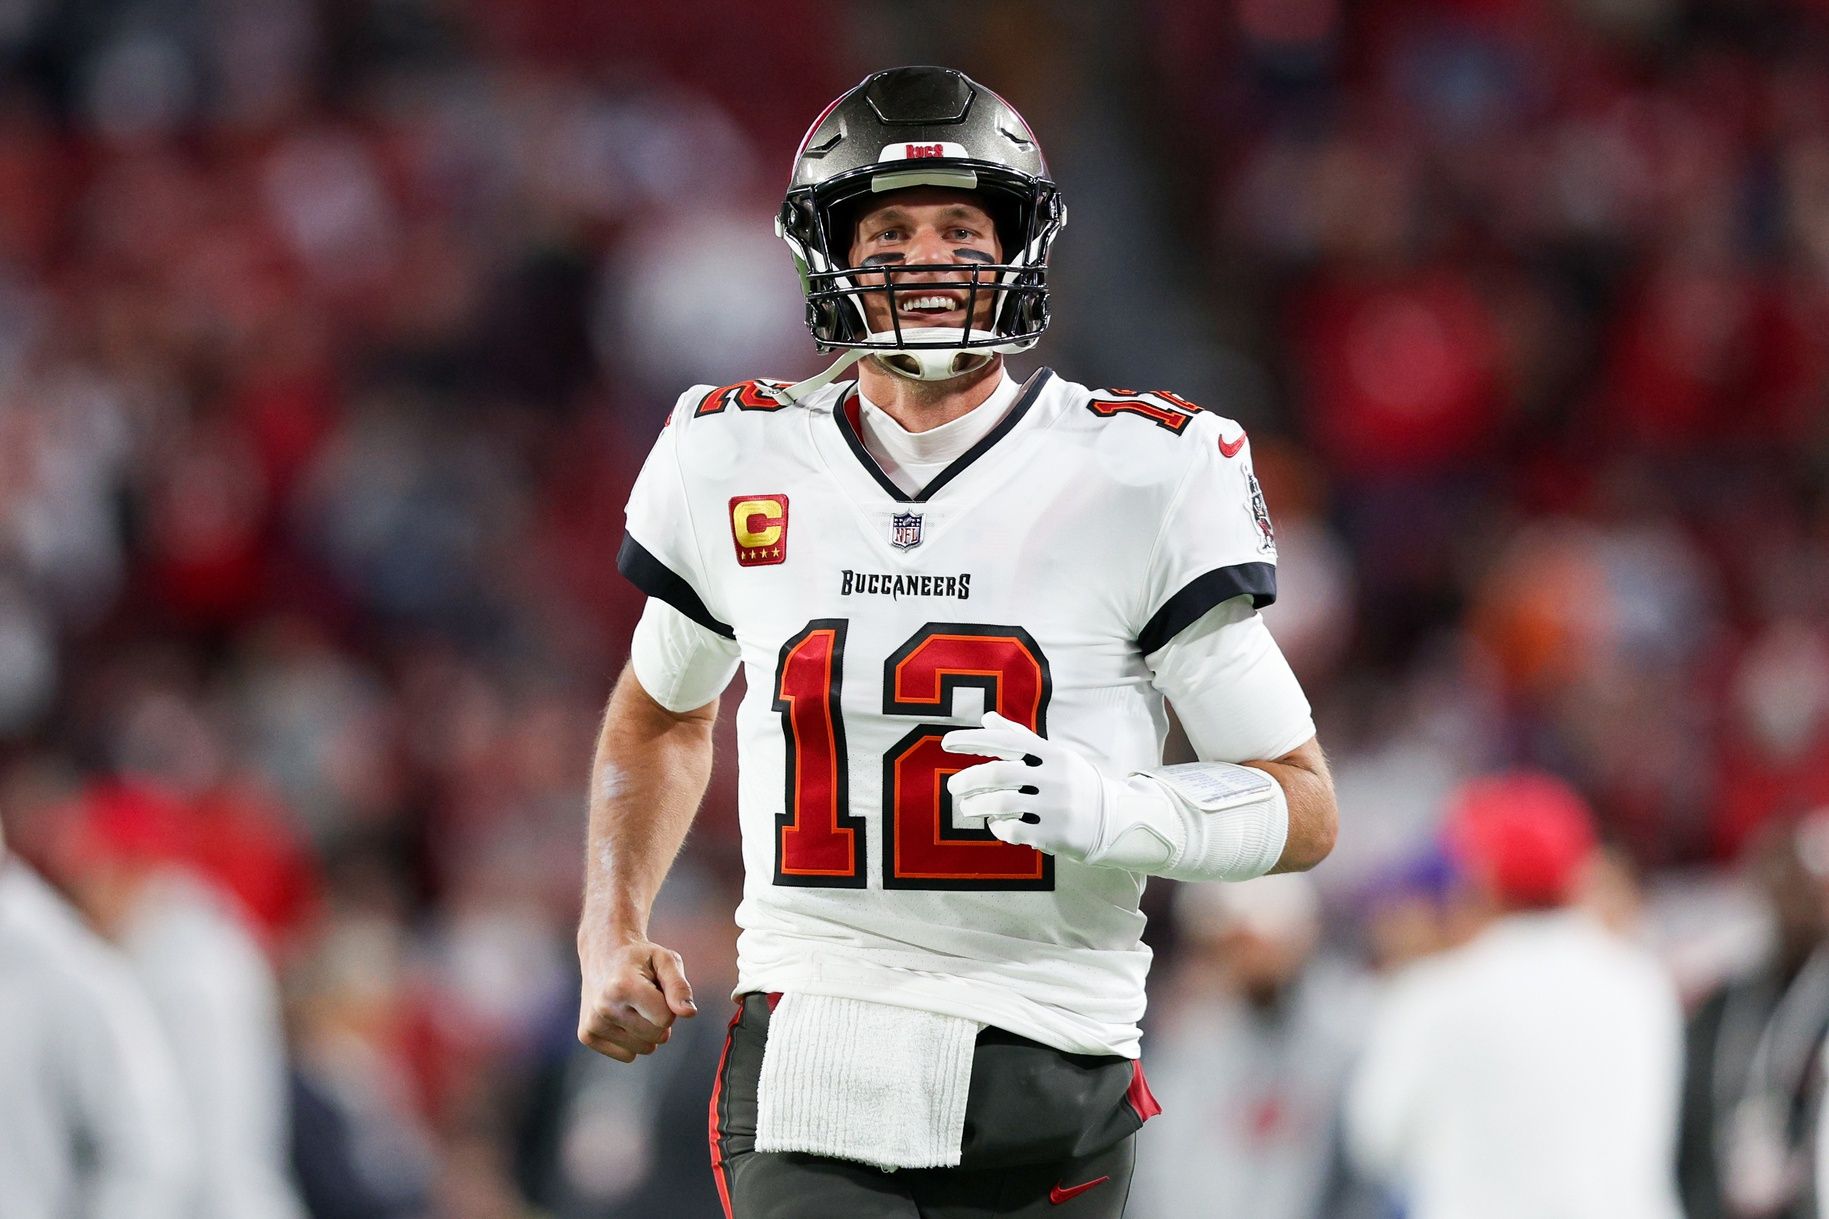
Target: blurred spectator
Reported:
[(1776, 735), (1403, 371), (608, 1141), (359, 1145), (94, 1121), (1534, 1070), (212, 990), (1252, 1043), (1414, 912), (1753, 1079)]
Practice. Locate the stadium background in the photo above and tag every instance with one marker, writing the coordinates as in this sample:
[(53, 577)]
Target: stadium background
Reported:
[(332, 334)]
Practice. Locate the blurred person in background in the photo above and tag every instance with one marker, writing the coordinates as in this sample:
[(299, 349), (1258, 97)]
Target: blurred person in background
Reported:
[(603, 1143), (124, 860), (93, 1123), (1252, 1042), (1753, 1073), (1534, 1070), (361, 1147), (1411, 912)]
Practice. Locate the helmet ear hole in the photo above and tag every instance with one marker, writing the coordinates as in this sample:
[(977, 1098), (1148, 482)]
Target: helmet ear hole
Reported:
[(841, 230), (1008, 220)]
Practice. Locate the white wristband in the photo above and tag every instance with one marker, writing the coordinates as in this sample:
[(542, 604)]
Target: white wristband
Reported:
[(1200, 821)]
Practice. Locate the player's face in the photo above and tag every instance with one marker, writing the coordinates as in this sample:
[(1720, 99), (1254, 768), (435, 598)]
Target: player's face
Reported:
[(927, 225)]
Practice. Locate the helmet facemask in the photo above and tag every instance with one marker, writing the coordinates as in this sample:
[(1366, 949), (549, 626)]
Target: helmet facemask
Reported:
[(911, 127), (817, 223)]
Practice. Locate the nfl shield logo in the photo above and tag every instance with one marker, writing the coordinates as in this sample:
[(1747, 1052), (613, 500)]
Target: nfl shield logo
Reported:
[(905, 530)]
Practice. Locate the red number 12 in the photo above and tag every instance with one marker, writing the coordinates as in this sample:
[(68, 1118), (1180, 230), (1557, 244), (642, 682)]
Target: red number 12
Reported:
[(817, 840)]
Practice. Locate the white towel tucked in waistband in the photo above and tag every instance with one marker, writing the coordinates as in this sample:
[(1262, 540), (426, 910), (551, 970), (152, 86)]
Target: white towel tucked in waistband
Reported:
[(864, 1081)]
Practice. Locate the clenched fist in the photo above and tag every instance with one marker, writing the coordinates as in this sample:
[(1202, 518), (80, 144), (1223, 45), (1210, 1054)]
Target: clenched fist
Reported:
[(633, 991)]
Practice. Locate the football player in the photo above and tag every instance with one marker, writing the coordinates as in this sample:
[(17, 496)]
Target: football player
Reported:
[(960, 603)]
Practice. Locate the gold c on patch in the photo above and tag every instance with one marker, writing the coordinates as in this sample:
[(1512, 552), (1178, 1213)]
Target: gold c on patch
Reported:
[(758, 527)]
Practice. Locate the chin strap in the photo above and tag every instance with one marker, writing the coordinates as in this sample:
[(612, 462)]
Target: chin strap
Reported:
[(934, 364), (934, 361), (800, 391)]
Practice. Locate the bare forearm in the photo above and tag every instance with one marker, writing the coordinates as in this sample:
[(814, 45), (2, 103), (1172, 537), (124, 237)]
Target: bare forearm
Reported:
[(647, 779), (1313, 816), (646, 782)]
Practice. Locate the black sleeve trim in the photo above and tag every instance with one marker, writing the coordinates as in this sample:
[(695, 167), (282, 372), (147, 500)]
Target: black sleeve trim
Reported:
[(1202, 593), (656, 579)]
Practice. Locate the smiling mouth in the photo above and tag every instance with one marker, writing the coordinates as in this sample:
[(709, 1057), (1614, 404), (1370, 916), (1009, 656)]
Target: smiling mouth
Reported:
[(930, 305)]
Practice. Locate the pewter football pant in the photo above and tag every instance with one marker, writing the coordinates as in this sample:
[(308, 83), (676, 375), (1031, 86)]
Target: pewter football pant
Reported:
[(1046, 1134)]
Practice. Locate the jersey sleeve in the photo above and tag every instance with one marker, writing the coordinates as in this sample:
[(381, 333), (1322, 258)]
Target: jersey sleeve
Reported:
[(660, 552), (679, 663), (1215, 542), (1232, 688)]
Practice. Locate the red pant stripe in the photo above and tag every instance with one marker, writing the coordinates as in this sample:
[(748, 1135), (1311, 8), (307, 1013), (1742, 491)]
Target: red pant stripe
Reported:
[(718, 1171)]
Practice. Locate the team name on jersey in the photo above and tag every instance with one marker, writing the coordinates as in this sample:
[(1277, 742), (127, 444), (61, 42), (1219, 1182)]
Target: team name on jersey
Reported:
[(895, 584)]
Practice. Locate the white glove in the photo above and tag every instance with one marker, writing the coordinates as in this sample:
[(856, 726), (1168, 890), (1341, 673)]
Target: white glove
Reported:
[(1197, 821), (1052, 797)]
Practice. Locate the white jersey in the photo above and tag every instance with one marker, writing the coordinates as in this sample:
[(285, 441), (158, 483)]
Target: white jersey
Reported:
[(1532, 1073), (1036, 575), (93, 1121)]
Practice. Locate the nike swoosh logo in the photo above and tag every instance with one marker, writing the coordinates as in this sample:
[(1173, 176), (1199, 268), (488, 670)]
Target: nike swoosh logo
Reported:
[(1057, 1195), (1231, 450)]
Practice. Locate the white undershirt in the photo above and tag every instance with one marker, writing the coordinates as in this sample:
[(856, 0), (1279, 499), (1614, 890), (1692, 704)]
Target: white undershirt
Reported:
[(913, 459)]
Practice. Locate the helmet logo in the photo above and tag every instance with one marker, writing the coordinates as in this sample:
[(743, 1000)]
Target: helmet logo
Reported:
[(921, 152)]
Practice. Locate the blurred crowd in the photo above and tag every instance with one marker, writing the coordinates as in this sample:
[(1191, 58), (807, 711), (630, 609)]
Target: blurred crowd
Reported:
[(332, 333)]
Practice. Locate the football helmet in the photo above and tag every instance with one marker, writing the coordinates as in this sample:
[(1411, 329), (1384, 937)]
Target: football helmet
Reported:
[(920, 126)]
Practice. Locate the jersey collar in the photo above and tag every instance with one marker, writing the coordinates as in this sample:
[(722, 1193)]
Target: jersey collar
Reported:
[(846, 415)]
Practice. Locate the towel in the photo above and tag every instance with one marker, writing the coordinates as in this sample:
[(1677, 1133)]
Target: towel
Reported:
[(864, 1081)]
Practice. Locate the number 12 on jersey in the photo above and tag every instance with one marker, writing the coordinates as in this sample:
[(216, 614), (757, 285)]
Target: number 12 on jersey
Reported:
[(817, 840)]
